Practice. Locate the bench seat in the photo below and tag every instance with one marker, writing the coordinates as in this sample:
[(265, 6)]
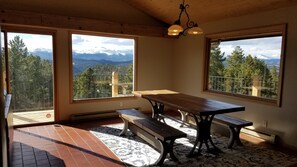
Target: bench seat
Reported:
[(157, 134), (234, 124)]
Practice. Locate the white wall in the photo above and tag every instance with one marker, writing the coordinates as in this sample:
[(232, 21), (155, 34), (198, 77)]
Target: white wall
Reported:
[(153, 65), (189, 64)]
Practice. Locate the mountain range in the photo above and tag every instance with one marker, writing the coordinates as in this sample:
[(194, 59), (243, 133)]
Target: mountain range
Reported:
[(81, 61), (88, 56), (272, 62), (84, 60)]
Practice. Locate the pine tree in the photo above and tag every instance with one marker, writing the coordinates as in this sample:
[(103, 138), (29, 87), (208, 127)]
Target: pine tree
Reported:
[(216, 68), (234, 70), (16, 54), (86, 87), (30, 78)]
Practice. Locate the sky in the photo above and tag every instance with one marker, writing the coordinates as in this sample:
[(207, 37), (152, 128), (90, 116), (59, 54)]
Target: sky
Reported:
[(95, 44), (81, 43), (33, 42), (263, 48)]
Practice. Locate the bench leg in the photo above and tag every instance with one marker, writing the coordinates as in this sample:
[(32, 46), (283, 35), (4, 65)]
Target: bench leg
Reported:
[(166, 148), (184, 118), (125, 128), (234, 136)]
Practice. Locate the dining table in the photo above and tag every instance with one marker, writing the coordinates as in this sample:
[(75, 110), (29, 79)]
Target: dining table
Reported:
[(201, 109)]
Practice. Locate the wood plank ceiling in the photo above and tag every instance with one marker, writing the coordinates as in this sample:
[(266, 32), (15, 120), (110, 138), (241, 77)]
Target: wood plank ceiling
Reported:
[(203, 11), (132, 17)]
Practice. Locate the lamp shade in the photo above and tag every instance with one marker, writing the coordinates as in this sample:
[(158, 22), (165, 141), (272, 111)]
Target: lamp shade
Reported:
[(173, 33), (175, 29), (195, 31)]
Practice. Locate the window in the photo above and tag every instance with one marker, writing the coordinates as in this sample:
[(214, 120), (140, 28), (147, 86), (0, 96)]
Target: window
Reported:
[(102, 66), (246, 64)]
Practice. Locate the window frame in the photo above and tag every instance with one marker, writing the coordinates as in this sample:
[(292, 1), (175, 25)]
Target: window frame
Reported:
[(91, 100), (268, 31)]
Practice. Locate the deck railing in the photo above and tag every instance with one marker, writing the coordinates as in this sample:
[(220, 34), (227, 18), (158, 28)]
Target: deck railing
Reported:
[(115, 86), (252, 87)]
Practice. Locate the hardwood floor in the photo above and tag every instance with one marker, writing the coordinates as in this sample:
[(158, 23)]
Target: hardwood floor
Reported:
[(70, 145)]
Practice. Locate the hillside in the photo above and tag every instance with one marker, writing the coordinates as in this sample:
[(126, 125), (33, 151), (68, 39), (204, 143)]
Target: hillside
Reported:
[(79, 65), (82, 61)]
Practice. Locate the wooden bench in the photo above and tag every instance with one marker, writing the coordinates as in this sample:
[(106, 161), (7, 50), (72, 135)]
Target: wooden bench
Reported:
[(157, 134), (234, 124)]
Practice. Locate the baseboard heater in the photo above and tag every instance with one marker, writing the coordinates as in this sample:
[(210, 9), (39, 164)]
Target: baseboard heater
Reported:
[(93, 115), (262, 134)]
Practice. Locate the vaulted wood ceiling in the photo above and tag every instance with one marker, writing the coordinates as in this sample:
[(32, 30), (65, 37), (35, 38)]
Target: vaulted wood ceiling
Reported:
[(132, 17), (203, 11)]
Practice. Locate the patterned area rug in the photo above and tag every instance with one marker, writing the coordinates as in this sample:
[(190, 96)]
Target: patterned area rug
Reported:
[(133, 151)]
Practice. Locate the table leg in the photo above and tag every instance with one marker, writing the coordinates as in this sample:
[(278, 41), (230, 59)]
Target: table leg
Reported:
[(203, 125), (157, 109)]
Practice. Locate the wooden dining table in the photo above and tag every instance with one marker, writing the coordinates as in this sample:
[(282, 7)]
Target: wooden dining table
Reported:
[(201, 109)]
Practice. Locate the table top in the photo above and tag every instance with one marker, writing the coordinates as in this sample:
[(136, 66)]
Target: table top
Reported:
[(192, 104)]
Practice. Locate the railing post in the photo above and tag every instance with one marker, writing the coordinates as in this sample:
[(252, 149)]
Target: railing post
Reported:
[(256, 88), (125, 89), (115, 82)]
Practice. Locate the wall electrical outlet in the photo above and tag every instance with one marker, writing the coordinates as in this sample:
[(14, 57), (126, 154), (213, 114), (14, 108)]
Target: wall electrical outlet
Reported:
[(121, 104), (265, 123)]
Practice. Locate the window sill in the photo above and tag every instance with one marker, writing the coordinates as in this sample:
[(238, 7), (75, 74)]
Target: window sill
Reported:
[(130, 97), (244, 98)]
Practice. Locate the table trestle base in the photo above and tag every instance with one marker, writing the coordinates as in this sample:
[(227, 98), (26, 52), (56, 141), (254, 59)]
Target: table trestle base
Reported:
[(203, 134)]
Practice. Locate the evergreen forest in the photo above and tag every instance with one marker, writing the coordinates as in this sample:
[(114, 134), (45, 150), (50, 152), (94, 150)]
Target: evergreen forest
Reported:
[(31, 78), (237, 73)]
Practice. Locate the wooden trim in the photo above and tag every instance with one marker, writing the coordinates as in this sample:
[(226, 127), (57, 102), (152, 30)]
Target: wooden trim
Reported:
[(135, 71), (206, 64), (266, 31), (71, 67), (6, 63), (55, 78), (106, 99), (282, 63), (242, 97), (28, 29), (76, 23), (3, 134), (247, 33)]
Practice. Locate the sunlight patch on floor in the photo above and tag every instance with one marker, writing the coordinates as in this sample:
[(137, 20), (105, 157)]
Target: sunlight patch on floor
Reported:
[(31, 117)]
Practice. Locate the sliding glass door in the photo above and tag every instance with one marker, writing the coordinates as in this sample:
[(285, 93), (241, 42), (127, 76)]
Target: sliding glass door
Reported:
[(30, 76)]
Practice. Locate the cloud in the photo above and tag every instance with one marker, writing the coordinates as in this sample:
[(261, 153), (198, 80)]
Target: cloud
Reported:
[(123, 42), (98, 44), (77, 39), (81, 43), (266, 48), (33, 41)]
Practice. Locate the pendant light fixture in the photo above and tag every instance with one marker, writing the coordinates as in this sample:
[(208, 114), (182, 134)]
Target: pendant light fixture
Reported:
[(191, 27)]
